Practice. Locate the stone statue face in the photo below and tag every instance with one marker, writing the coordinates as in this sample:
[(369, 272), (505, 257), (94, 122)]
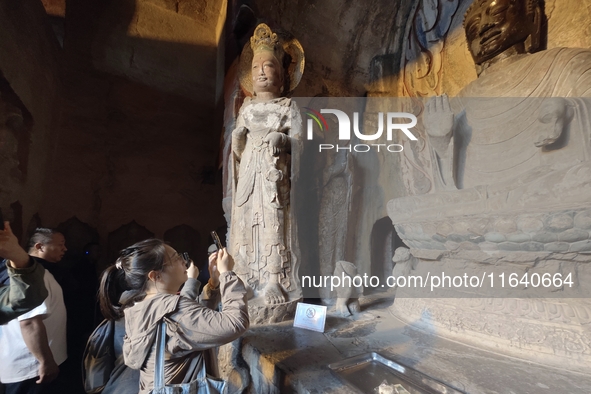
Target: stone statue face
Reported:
[(493, 26), (267, 73)]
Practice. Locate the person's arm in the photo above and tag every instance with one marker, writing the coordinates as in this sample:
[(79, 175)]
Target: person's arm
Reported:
[(210, 297), (35, 337), (26, 289), (11, 250), (25, 292), (205, 327), (191, 287)]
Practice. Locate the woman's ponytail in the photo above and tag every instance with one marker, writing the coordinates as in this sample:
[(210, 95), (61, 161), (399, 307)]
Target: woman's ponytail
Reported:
[(110, 290)]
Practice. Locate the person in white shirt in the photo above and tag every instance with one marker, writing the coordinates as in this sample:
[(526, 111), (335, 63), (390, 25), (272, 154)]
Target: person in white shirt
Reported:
[(34, 345)]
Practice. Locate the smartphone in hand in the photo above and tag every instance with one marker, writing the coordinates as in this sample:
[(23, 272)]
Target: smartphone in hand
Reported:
[(216, 240), (186, 258)]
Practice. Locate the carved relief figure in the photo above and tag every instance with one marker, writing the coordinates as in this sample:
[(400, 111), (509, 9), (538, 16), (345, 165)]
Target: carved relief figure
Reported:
[(422, 64), (334, 212), (265, 148), (502, 131)]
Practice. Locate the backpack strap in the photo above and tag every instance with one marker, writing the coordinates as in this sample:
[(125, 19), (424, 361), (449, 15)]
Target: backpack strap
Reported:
[(159, 380)]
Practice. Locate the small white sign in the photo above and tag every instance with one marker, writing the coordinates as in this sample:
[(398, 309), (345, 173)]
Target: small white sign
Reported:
[(311, 317)]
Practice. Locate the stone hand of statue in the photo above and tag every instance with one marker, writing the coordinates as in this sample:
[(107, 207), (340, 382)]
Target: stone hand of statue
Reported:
[(438, 117), (276, 142), (553, 117)]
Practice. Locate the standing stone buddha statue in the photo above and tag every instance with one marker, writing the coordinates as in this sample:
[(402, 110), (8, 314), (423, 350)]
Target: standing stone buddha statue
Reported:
[(265, 153)]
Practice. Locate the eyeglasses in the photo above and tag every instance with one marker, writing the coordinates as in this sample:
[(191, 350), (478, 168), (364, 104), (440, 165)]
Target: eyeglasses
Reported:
[(184, 256)]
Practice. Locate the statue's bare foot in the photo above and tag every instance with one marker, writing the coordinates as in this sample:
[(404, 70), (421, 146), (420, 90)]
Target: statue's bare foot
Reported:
[(354, 307), (341, 307), (274, 294)]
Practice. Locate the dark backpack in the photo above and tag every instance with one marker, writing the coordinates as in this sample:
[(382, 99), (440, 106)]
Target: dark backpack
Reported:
[(99, 357)]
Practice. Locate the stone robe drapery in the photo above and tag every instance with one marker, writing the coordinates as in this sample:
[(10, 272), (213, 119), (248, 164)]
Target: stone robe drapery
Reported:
[(261, 235), (502, 111)]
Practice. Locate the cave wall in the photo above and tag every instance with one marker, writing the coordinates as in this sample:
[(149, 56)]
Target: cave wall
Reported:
[(30, 90), (140, 130), (166, 44), (126, 117)]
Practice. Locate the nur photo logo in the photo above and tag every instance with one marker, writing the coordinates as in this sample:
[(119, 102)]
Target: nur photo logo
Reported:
[(390, 122), (318, 118)]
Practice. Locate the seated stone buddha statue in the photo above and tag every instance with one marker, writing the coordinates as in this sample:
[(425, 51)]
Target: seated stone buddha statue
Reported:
[(512, 178), (524, 117)]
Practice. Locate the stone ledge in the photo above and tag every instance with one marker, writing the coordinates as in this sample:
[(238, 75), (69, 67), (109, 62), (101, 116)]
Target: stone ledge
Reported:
[(292, 360)]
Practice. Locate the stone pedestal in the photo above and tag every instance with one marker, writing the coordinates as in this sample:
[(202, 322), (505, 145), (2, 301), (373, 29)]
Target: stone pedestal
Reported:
[(488, 234)]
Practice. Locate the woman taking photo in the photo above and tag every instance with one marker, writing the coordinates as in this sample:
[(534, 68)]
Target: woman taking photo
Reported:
[(153, 273)]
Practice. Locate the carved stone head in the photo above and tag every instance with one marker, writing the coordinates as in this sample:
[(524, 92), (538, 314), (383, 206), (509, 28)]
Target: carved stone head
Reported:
[(267, 61), (495, 27), (281, 55)]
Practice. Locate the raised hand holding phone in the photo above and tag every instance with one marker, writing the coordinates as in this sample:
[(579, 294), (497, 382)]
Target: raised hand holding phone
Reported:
[(192, 270), (214, 274), (216, 240), (225, 262)]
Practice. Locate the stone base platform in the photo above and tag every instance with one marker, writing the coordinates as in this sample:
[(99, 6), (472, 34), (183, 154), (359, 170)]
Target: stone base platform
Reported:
[(283, 359)]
